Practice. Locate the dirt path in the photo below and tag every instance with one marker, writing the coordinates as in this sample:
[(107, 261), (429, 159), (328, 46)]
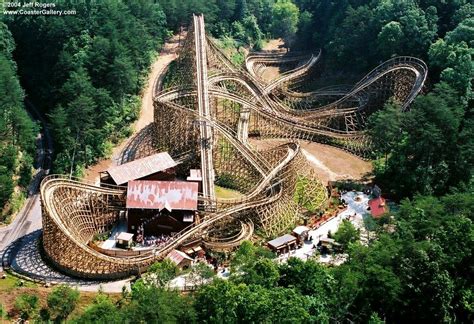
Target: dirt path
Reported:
[(273, 45), (168, 54), (328, 162), (332, 164)]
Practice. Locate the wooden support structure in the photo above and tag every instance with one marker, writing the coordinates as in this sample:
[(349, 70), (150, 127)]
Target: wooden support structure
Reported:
[(207, 112)]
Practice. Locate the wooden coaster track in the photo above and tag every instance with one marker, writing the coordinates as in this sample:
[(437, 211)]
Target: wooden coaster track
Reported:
[(206, 115)]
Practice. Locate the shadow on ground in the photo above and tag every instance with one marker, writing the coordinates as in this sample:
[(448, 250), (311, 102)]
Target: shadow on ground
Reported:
[(139, 146), (25, 259)]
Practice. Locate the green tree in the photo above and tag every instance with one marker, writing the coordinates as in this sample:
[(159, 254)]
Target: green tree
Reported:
[(304, 33), (421, 270), (390, 38), (427, 158), (247, 255), (416, 28), (263, 272), (285, 19), (151, 304), (385, 128), (254, 35), (272, 305), (310, 278), (201, 273), (346, 234), (62, 301), (453, 57), (27, 305), (229, 302), (17, 131), (241, 9), (7, 44), (102, 310), (161, 273), (359, 23)]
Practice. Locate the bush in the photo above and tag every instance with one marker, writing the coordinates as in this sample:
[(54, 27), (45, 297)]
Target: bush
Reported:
[(62, 301), (27, 305), (227, 181), (3, 312), (346, 234)]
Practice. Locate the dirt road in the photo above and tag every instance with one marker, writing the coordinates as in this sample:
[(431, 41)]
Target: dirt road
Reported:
[(167, 55)]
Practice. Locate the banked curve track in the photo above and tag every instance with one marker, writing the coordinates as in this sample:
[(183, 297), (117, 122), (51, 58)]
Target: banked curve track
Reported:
[(209, 109)]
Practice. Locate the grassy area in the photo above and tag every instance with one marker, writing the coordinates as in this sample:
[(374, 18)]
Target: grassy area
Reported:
[(11, 288), (12, 282), (227, 193), (305, 194)]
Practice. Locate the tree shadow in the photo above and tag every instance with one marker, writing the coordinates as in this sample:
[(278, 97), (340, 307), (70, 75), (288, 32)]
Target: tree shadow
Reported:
[(139, 146)]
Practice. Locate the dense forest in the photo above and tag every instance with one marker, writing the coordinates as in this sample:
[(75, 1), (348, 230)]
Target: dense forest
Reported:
[(18, 132), (430, 149), (85, 72)]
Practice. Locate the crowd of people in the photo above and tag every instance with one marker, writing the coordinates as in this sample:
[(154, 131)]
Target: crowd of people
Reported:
[(151, 240), (157, 241)]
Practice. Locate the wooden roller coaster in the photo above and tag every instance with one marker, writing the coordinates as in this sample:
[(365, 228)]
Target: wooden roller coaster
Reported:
[(207, 113)]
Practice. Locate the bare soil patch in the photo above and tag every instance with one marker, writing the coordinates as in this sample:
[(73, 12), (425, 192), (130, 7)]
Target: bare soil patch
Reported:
[(274, 44), (329, 163)]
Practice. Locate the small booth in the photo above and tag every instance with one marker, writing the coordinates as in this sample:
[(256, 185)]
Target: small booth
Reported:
[(377, 207), (283, 244), (326, 245), (301, 233), (124, 240), (194, 249), (181, 259)]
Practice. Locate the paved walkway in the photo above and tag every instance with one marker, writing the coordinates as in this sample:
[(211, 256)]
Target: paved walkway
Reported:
[(357, 207), (26, 260)]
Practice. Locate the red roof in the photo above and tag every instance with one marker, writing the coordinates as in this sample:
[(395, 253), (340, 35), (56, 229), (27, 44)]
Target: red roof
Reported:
[(377, 206), (146, 194)]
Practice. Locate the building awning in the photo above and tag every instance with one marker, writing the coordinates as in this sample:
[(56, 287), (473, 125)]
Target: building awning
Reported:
[(124, 236), (177, 257), (282, 241), (141, 168), (300, 230), (169, 195)]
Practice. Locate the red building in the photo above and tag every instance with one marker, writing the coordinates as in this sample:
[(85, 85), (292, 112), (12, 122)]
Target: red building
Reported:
[(161, 207), (377, 207)]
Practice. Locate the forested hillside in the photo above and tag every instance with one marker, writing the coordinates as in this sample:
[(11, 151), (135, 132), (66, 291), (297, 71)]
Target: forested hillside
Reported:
[(17, 131), (86, 71), (430, 149)]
